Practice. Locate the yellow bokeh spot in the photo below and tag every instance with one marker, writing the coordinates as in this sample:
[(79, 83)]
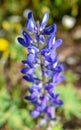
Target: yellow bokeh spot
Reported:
[(4, 44), (7, 115), (67, 107), (6, 25), (45, 9)]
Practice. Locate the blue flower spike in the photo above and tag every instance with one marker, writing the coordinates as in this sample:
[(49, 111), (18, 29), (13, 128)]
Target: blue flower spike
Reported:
[(42, 55)]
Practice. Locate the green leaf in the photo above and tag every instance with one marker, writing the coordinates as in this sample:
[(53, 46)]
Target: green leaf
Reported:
[(27, 119), (72, 102), (2, 118), (4, 100), (15, 121), (57, 127), (70, 77)]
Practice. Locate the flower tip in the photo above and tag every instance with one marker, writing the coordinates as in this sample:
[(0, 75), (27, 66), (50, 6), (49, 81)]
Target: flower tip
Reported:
[(20, 40), (23, 70), (60, 40), (44, 20), (35, 113), (55, 27), (24, 33), (47, 14), (28, 98), (60, 102), (30, 14)]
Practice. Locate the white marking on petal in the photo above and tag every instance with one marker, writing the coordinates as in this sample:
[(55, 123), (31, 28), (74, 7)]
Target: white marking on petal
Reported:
[(55, 64), (54, 40), (33, 51)]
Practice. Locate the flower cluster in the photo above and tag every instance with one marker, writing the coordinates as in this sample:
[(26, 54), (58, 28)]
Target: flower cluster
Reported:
[(42, 67)]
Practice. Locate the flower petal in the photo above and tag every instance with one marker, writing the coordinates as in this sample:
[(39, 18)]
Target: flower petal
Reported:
[(27, 70), (49, 87), (51, 41), (24, 70), (49, 30), (22, 41), (60, 78), (31, 57), (49, 112), (31, 23), (35, 113), (44, 21), (27, 63), (28, 39), (28, 98), (57, 43), (58, 102), (59, 68), (28, 78), (33, 49)]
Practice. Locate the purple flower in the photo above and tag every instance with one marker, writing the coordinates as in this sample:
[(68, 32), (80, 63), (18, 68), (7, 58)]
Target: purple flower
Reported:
[(42, 67)]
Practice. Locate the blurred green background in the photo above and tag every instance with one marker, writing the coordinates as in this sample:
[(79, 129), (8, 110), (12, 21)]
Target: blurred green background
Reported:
[(14, 111)]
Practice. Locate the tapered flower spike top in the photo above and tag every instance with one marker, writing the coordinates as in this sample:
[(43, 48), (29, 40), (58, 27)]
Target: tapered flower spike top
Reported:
[(42, 67)]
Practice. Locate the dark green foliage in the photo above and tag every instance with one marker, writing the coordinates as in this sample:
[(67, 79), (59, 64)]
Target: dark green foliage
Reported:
[(11, 114), (72, 100)]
